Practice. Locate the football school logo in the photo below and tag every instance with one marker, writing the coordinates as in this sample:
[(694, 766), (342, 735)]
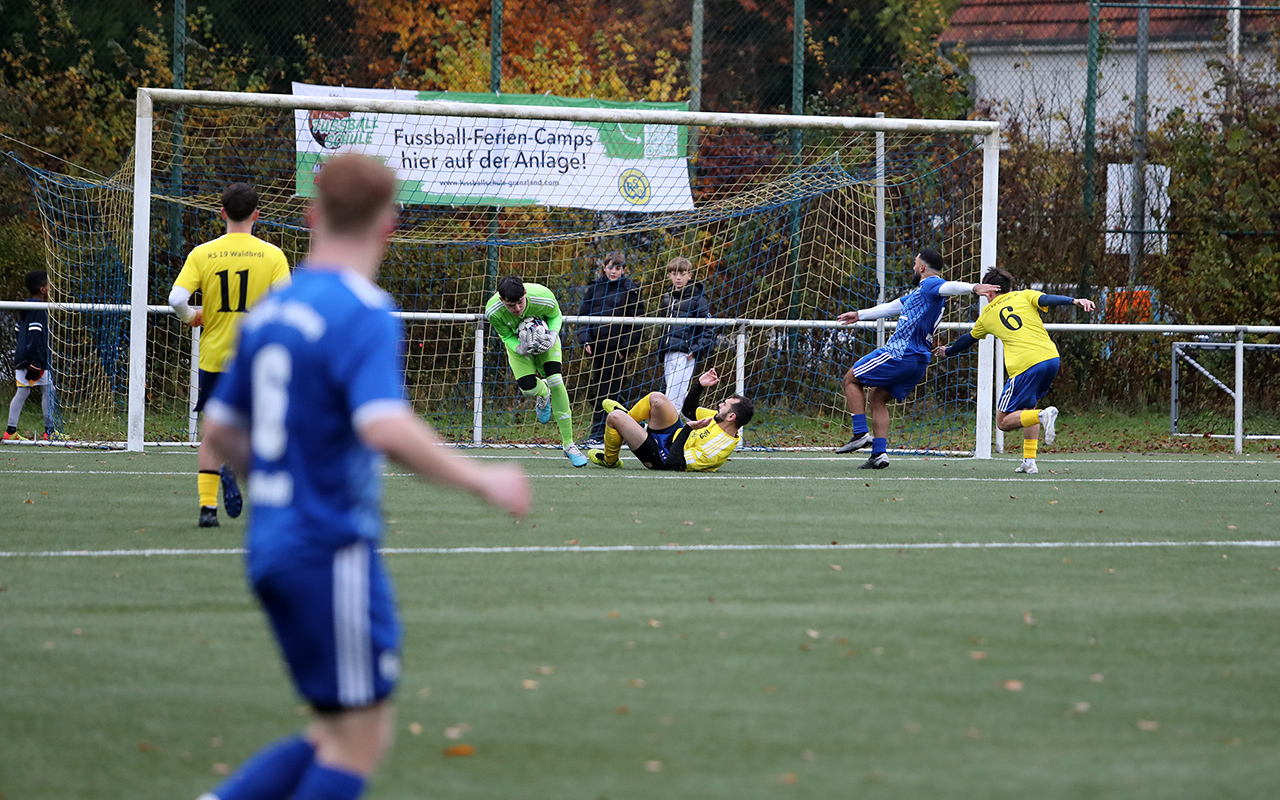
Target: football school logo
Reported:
[(334, 130), (634, 187)]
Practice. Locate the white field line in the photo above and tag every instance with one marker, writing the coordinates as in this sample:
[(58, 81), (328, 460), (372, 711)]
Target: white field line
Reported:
[(640, 474), (668, 548)]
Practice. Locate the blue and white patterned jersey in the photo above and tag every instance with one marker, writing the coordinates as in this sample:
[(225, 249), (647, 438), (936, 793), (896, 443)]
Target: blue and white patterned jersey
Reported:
[(921, 312), (315, 361)]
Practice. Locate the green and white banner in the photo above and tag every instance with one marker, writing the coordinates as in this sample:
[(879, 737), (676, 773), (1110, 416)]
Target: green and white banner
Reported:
[(444, 160)]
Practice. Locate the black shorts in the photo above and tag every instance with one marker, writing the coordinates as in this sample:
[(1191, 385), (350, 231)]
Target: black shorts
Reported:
[(664, 449), (208, 382)]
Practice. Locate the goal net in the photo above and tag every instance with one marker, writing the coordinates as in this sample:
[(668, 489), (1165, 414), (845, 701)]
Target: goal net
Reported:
[(1224, 389), (788, 221)]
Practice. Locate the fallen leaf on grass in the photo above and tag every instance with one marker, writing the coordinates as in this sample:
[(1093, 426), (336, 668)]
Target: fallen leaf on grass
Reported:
[(836, 567), (546, 670), (636, 683), (1027, 618), (459, 750), (221, 768), (687, 522), (570, 541), (612, 615), (789, 779), (528, 683), (622, 710), (978, 655), (456, 731), (812, 634), (415, 728), (1095, 677), (1147, 724), (1013, 686), (653, 766), (655, 623)]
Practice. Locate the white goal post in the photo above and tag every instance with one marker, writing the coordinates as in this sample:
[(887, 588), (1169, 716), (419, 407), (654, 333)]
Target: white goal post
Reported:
[(149, 100)]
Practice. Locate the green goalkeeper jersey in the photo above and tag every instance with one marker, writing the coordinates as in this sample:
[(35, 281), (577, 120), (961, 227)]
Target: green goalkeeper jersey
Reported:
[(541, 303)]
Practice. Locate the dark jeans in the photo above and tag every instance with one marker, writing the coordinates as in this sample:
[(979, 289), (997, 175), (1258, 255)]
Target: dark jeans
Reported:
[(608, 371)]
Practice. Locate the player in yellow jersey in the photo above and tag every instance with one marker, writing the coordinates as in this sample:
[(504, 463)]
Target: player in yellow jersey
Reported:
[(231, 273), (1030, 357), (656, 434)]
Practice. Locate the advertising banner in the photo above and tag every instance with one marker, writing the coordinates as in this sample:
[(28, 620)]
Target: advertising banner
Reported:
[(444, 160)]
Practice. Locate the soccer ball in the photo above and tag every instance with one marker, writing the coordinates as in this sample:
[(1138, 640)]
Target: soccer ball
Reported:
[(534, 334)]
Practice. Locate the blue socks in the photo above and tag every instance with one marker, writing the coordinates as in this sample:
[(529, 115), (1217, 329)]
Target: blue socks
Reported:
[(329, 783), (879, 446), (273, 773), (859, 424)]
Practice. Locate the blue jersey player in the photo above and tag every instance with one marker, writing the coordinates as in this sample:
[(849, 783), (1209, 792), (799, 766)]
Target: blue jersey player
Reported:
[(894, 370), (314, 398)]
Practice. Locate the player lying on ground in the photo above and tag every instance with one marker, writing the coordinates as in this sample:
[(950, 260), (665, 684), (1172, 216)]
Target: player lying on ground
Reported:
[(535, 358), (314, 398), (892, 371), (656, 434), (1030, 357)]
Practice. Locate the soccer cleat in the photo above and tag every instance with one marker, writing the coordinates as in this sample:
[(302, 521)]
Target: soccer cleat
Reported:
[(597, 457), (575, 456), (543, 405), (1048, 418), (14, 437), (877, 461), (1027, 467), (52, 436), (611, 405), (858, 442), (208, 517), (230, 492)]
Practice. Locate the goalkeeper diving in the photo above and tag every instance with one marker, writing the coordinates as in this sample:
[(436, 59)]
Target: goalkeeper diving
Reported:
[(535, 356)]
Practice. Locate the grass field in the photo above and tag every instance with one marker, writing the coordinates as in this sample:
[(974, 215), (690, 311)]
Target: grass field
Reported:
[(789, 627)]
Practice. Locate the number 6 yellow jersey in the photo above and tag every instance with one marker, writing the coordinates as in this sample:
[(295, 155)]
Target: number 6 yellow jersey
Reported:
[(231, 273), (1014, 318)]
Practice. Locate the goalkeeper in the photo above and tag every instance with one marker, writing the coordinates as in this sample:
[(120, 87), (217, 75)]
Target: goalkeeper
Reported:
[(535, 361), (656, 434)]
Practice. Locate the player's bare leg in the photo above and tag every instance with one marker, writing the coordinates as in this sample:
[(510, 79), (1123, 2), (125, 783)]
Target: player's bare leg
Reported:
[(354, 740), (878, 400), (855, 397)]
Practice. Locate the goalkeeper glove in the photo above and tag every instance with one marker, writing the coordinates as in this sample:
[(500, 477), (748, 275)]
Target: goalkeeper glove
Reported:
[(34, 374)]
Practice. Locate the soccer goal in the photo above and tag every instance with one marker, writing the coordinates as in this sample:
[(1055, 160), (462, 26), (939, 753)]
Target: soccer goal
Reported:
[(788, 221)]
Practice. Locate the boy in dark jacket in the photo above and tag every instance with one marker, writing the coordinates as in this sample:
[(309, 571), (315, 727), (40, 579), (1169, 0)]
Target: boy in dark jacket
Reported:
[(683, 346), (611, 294), (31, 359)]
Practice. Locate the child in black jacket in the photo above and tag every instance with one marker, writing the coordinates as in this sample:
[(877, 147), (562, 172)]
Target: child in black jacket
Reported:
[(31, 359)]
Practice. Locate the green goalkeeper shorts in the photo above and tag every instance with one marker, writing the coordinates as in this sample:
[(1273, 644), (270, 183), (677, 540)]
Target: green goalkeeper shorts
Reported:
[(532, 365)]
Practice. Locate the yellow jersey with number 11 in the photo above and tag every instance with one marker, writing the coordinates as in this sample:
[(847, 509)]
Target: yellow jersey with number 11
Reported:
[(1014, 318), (231, 273)]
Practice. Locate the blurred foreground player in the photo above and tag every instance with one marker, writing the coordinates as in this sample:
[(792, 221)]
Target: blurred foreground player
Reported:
[(314, 397)]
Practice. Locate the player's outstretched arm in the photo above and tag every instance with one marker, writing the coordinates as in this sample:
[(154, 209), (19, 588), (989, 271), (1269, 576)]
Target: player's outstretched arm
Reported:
[(411, 443), (1050, 300), (890, 309)]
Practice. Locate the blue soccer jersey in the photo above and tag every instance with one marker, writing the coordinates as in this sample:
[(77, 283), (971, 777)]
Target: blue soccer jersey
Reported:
[(315, 361), (921, 311)]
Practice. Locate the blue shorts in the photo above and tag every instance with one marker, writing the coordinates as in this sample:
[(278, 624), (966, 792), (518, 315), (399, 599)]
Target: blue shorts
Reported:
[(336, 624), (655, 451), (896, 375), (1024, 390)]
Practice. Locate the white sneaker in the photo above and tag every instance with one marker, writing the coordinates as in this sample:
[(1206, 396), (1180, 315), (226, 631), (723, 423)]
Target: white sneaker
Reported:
[(1028, 466), (1048, 418)]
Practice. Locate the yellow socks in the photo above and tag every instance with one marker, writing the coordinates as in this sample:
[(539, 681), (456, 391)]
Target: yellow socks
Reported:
[(1029, 417), (640, 411), (1029, 446), (207, 485), (612, 445)]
